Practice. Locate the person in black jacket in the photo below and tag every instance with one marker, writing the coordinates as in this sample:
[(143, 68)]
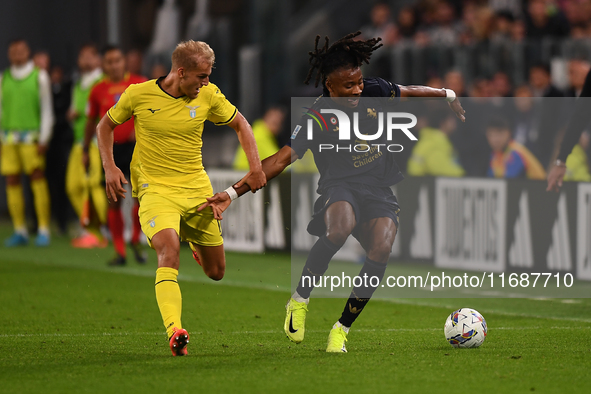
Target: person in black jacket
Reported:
[(580, 119)]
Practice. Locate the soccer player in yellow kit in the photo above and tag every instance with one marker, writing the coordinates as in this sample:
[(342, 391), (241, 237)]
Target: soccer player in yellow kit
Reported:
[(167, 174)]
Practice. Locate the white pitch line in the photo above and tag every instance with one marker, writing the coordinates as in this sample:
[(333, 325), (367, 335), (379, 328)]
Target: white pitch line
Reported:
[(263, 332), (284, 289), (485, 311)]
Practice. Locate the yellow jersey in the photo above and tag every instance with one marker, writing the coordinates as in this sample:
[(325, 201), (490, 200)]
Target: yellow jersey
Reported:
[(167, 155)]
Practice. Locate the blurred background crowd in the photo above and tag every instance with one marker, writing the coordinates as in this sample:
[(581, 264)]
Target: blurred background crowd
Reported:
[(520, 51)]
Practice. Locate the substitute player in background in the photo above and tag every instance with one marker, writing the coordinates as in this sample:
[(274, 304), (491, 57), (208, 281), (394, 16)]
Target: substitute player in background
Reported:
[(103, 96), (167, 173), (26, 121), (83, 185), (354, 198)]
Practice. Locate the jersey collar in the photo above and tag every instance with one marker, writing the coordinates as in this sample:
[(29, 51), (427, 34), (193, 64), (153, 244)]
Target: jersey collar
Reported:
[(165, 92)]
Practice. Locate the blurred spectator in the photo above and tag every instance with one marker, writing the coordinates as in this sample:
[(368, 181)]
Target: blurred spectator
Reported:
[(577, 13), (455, 81), (158, 70), (579, 31), (421, 38), (265, 132), (501, 85), (544, 20), (540, 82), (481, 88), (59, 148), (509, 7), (550, 110), (83, 184), (434, 154), (446, 30), (406, 23), (103, 96), (510, 159), (577, 165), (577, 72), (518, 31), (503, 26), (42, 60), (381, 25), (135, 62), (26, 122), (435, 82), (525, 119), (479, 23)]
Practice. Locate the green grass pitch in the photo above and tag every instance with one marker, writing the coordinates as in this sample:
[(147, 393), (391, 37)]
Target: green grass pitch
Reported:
[(70, 324)]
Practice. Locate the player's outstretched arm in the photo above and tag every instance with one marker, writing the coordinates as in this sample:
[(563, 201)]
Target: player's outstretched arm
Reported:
[(272, 166), (427, 91), (114, 178), (256, 177)]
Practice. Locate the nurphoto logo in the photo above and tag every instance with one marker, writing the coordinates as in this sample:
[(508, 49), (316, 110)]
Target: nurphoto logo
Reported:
[(387, 122)]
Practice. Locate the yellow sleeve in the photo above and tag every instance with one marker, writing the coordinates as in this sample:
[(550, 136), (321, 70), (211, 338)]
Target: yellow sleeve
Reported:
[(441, 163), (576, 166), (221, 111), (122, 110)]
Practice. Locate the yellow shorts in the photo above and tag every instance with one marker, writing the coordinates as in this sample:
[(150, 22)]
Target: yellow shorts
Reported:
[(161, 211), (18, 158)]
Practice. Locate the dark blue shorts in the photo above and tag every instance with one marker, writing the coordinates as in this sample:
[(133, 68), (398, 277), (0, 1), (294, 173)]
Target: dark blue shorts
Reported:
[(368, 202)]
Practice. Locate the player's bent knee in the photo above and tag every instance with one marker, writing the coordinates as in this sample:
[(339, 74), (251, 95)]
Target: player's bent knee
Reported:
[(216, 273), (381, 252), (338, 236)]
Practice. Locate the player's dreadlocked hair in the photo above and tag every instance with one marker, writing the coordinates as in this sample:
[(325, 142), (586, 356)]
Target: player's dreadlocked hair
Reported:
[(345, 52)]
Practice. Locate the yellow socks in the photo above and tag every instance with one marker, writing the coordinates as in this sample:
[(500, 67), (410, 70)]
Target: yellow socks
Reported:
[(99, 200), (42, 205), (16, 206), (168, 296)]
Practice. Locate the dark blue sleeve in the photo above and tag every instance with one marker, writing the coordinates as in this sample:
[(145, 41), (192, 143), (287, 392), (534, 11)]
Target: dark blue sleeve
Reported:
[(379, 87), (298, 141)]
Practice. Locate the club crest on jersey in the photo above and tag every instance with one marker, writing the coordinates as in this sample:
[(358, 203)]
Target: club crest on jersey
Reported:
[(192, 110)]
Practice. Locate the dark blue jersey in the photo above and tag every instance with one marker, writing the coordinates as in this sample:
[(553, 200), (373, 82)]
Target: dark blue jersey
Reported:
[(357, 160)]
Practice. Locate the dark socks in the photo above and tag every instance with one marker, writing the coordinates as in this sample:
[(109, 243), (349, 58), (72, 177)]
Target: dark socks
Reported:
[(360, 295), (316, 265)]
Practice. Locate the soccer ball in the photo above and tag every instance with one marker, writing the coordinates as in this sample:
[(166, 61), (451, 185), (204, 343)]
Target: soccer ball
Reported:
[(465, 328)]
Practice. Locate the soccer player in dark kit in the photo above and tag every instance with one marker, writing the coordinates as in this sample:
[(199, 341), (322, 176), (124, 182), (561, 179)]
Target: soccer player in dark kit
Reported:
[(355, 194)]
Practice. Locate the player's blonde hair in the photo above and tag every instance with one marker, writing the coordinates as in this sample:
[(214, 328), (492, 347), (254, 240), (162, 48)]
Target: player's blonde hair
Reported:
[(188, 54)]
